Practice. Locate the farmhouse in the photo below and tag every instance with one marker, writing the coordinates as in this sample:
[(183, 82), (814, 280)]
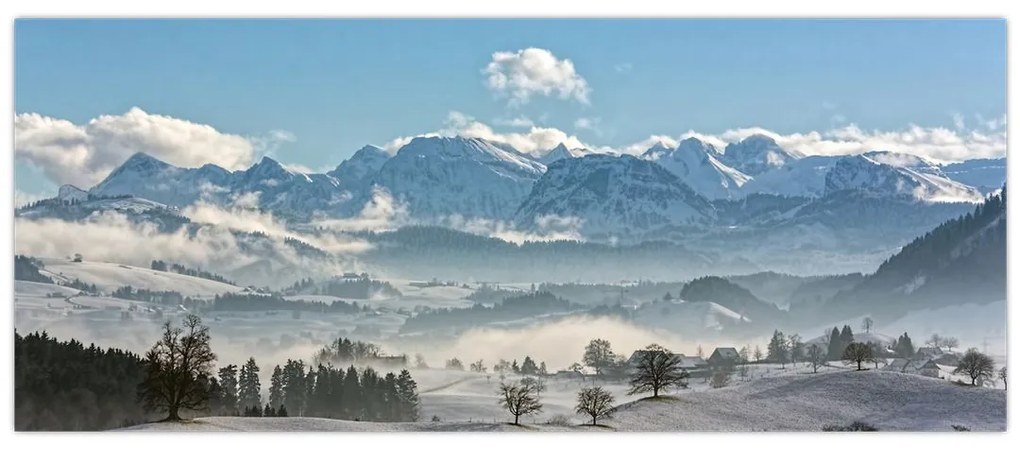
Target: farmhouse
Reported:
[(724, 357)]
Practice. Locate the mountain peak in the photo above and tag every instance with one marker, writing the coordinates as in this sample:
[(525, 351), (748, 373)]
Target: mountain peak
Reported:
[(143, 161), (68, 192)]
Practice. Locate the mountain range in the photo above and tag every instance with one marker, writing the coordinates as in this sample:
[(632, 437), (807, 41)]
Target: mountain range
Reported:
[(678, 193)]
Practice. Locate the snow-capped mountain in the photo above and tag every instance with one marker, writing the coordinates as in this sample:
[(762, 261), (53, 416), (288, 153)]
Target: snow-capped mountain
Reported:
[(274, 187), (800, 177), (146, 177), (437, 177), (757, 154), (697, 164), (70, 193), (358, 171), (562, 152), (611, 194), (288, 192), (912, 176)]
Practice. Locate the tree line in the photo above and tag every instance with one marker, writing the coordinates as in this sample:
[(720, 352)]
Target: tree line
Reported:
[(160, 265)]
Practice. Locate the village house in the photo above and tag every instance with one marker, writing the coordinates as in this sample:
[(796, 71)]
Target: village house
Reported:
[(724, 357)]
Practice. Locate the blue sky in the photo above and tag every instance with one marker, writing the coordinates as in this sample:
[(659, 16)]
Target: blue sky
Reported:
[(337, 85)]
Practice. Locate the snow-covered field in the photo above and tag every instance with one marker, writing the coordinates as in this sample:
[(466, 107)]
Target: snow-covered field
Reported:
[(794, 400), (110, 276)]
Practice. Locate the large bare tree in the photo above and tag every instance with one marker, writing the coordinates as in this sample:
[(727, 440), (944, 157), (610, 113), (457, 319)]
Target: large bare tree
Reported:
[(598, 355), (176, 369), (858, 353), (656, 369), (975, 364), (519, 399), (595, 402)]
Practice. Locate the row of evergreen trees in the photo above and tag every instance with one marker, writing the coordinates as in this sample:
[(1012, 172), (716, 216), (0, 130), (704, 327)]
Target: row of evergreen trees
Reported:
[(67, 386), (160, 265), (324, 392)]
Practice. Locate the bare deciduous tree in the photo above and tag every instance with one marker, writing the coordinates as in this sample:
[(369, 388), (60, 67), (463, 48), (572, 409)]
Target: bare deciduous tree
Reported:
[(519, 400), (478, 367), (595, 402), (815, 356), (1002, 375), (951, 343), (175, 369), (867, 324), (598, 355), (656, 370), (857, 353), (757, 354), (975, 364)]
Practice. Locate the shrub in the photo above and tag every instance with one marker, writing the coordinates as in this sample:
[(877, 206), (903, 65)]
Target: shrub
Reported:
[(856, 426), (559, 420)]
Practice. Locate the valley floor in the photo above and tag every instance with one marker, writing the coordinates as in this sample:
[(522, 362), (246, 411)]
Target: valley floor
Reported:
[(799, 401)]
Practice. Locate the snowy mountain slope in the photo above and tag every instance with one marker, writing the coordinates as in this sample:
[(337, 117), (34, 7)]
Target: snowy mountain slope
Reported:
[(874, 172), (688, 318), (442, 176), (697, 164), (357, 172), (287, 192), (800, 177), (146, 177), (757, 154), (110, 276), (611, 194)]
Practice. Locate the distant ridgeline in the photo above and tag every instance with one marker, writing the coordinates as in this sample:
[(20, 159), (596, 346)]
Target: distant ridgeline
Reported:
[(512, 308), (348, 286), (961, 261), (26, 268), (427, 252), (159, 265)]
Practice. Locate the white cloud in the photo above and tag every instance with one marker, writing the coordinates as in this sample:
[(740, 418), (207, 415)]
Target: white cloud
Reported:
[(380, 213), (958, 122), (535, 139), (936, 143), (69, 153), (624, 67), (534, 71), (589, 123), (516, 122)]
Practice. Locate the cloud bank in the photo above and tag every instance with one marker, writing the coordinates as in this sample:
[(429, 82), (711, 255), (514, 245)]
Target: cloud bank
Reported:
[(83, 155)]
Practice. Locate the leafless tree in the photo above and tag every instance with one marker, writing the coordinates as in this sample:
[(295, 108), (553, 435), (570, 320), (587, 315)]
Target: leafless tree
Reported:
[(745, 354), (816, 356), (934, 341), (867, 324), (176, 367), (950, 343), (598, 355), (758, 354), (656, 370), (975, 364), (519, 400), (595, 402), (1002, 375), (478, 367), (857, 353)]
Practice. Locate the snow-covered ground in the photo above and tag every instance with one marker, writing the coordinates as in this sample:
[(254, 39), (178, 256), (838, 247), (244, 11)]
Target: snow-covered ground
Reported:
[(111, 276), (791, 400)]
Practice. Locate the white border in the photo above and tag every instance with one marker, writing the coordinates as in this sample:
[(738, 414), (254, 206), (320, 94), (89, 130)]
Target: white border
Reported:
[(452, 8)]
